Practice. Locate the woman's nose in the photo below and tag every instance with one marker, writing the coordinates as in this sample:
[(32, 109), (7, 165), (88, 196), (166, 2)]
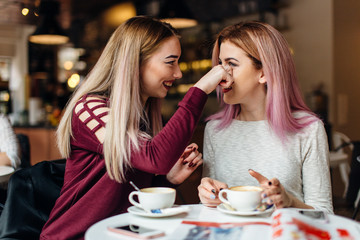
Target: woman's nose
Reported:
[(177, 73), (227, 68)]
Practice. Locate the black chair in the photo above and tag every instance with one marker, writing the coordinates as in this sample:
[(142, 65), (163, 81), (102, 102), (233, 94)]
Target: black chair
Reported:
[(32, 193), (356, 210), (354, 178), (24, 145)]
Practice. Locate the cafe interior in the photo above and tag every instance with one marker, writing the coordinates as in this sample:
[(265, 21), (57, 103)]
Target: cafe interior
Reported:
[(47, 47)]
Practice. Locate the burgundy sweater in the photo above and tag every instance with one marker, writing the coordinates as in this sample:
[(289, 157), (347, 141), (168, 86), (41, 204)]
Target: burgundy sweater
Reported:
[(88, 194)]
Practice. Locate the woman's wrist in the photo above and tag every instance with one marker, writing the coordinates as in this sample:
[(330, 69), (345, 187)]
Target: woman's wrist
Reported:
[(172, 180), (202, 87), (4, 159), (296, 203), (291, 200)]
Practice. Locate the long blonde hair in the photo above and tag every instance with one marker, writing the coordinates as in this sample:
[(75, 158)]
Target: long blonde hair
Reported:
[(116, 76)]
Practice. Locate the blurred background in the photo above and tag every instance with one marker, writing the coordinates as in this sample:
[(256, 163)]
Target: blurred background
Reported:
[(47, 47)]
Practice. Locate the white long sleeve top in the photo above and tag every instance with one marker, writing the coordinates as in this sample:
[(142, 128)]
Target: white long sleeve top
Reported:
[(301, 165), (8, 141)]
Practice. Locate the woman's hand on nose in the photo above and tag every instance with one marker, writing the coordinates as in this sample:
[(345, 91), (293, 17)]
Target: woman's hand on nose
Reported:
[(217, 75)]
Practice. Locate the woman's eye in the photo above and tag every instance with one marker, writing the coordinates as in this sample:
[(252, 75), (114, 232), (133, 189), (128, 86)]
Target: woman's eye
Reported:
[(171, 62), (232, 64)]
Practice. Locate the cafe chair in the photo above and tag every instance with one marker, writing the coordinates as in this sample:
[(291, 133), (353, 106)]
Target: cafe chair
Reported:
[(24, 145), (339, 158), (24, 148), (32, 193), (357, 206)]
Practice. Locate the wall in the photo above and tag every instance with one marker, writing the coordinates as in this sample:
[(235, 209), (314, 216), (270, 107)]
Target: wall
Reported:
[(325, 37), (311, 38), (347, 66)]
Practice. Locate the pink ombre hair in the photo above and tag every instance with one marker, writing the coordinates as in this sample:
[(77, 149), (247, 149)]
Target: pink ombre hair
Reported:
[(269, 51)]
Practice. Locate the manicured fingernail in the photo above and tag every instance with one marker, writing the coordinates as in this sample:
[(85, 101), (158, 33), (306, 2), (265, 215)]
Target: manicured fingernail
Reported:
[(184, 163), (212, 196), (263, 195), (250, 169), (269, 206), (190, 164), (270, 201), (213, 191), (270, 183), (190, 147), (194, 165)]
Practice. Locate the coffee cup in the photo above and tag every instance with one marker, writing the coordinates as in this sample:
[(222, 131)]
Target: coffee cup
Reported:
[(153, 198), (242, 198)]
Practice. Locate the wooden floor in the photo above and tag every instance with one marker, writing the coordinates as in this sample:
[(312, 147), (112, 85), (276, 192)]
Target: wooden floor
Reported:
[(342, 209)]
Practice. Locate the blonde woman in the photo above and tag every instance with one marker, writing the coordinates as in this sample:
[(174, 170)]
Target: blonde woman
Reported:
[(111, 132)]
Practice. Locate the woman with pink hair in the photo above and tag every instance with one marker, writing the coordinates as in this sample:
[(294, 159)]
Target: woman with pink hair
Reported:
[(264, 134)]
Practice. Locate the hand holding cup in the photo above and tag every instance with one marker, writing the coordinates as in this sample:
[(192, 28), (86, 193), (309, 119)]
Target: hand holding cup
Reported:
[(274, 191), (242, 198)]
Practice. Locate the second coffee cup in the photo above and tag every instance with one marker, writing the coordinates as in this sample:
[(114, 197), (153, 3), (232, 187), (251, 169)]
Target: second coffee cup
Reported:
[(242, 198), (153, 198)]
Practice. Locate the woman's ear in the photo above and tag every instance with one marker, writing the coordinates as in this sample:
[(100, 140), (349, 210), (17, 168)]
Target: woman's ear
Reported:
[(262, 78)]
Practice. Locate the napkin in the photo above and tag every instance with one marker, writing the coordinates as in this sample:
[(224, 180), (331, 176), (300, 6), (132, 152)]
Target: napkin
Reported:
[(171, 210)]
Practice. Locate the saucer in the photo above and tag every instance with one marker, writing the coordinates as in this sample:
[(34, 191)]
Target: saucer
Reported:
[(223, 209), (167, 213), (5, 173)]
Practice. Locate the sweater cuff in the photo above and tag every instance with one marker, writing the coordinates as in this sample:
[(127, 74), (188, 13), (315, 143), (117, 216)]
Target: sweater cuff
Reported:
[(194, 99)]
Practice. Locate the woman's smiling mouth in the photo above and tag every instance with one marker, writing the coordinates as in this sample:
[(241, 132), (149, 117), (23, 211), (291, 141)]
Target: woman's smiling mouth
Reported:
[(225, 90), (168, 84)]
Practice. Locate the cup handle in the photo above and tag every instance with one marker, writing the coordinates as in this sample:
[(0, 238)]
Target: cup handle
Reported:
[(221, 196), (134, 228), (132, 201)]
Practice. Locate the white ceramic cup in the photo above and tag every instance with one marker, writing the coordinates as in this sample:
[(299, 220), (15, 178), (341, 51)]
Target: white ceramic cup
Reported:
[(153, 198), (242, 198)]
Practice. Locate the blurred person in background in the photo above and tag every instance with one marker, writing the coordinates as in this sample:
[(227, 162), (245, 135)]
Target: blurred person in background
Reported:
[(9, 152), (9, 147)]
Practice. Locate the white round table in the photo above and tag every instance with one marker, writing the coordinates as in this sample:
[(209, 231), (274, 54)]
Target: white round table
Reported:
[(197, 212)]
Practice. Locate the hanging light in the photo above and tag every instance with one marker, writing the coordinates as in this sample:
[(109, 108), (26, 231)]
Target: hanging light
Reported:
[(177, 14), (119, 13), (25, 10), (49, 30)]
